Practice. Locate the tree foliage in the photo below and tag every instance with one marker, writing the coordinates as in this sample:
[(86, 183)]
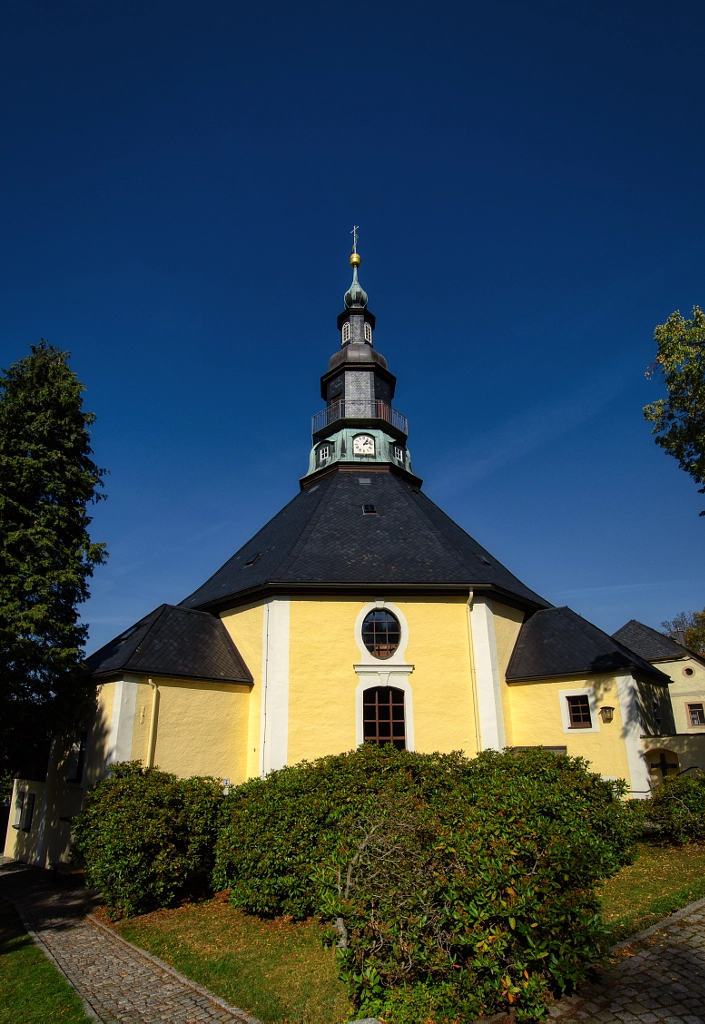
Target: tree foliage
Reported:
[(146, 835), (679, 420), (47, 480), (457, 887), (692, 626), (677, 808)]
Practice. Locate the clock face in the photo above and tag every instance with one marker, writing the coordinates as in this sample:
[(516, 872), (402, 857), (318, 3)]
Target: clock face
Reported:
[(363, 444)]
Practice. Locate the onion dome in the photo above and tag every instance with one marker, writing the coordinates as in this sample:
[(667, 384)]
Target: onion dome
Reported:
[(356, 296)]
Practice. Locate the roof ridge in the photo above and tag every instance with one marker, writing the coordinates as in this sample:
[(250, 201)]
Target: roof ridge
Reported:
[(289, 560), (151, 635), (444, 543)]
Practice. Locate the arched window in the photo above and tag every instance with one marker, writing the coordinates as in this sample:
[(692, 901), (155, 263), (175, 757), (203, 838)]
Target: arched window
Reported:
[(383, 716), (346, 332), (381, 633)]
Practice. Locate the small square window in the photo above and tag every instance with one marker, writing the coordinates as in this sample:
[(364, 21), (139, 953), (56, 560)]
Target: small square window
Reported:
[(19, 807), (368, 333), (28, 813), (399, 453), (579, 712), (324, 452), (346, 332), (77, 759), (369, 510), (657, 711), (696, 714)]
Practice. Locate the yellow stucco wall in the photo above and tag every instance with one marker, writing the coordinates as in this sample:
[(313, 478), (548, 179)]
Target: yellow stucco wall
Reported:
[(536, 721), (202, 729), (323, 682), (507, 624), (444, 713), (245, 626), (685, 689)]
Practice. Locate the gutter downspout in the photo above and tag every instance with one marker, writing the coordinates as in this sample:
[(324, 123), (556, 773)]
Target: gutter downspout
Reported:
[(152, 742), (473, 678)]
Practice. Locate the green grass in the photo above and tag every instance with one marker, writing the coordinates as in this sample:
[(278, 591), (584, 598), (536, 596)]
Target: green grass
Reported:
[(661, 879), (280, 972), (276, 970), (32, 991)]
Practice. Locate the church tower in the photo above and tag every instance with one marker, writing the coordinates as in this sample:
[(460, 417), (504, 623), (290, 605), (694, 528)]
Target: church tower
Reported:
[(359, 427)]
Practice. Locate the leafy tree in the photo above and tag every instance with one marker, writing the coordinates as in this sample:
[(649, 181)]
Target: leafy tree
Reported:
[(679, 420), (47, 480), (692, 626)]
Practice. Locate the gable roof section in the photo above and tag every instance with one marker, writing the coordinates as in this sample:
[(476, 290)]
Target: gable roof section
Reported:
[(651, 644), (323, 538), (173, 641), (558, 642)]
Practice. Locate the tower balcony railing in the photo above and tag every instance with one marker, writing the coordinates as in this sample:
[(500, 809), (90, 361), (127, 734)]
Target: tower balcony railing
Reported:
[(359, 409)]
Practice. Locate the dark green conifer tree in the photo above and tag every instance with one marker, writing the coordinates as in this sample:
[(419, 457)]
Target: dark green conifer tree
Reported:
[(47, 481)]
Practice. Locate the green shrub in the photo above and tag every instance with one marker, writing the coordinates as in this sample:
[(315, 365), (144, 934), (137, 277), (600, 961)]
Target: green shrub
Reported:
[(146, 836), (459, 887), (677, 809)]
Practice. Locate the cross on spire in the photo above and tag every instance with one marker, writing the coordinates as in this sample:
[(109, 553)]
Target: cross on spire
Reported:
[(354, 234)]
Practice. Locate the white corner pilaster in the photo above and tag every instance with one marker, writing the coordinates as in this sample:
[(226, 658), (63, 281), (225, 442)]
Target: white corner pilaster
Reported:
[(489, 693), (123, 720), (274, 729), (630, 709)]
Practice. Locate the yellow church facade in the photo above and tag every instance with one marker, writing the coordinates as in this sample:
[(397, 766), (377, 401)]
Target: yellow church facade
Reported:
[(360, 613)]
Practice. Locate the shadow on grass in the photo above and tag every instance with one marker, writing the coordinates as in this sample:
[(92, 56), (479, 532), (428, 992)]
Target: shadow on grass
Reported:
[(32, 989)]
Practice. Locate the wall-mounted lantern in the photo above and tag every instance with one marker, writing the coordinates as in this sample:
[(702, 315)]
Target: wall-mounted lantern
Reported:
[(607, 713)]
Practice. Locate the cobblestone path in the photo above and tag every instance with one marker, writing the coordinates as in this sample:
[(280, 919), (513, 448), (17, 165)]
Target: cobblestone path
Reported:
[(120, 984), (659, 978)]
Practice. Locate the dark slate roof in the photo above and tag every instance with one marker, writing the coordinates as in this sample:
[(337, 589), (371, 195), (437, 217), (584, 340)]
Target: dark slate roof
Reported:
[(173, 641), (322, 538), (558, 642), (651, 644)]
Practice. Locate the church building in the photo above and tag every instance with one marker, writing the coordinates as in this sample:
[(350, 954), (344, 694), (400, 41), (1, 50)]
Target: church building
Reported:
[(361, 613)]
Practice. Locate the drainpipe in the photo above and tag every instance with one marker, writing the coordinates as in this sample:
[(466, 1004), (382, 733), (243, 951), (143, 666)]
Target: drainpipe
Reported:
[(473, 677), (153, 724)]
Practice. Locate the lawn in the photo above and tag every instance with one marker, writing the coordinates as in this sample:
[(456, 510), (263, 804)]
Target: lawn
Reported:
[(280, 972), (661, 879), (31, 989), (277, 970)]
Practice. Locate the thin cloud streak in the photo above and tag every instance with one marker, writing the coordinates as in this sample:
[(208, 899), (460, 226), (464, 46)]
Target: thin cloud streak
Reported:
[(527, 431)]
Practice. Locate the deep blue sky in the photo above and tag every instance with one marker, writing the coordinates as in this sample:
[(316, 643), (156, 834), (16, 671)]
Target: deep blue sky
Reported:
[(177, 185)]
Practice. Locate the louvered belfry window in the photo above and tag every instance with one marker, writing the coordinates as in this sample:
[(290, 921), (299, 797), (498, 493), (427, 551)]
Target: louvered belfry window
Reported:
[(383, 716)]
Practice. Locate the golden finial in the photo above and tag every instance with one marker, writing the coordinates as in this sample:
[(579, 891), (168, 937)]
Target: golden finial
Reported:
[(355, 259)]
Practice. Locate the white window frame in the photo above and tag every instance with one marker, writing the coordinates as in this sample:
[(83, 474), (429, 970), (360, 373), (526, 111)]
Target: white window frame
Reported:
[(20, 800), (581, 691), (324, 452), (688, 704), (394, 671), (368, 332), (347, 331)]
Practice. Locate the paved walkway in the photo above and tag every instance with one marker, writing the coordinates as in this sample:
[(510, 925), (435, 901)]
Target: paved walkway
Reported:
[(119, 983), (660, 977)]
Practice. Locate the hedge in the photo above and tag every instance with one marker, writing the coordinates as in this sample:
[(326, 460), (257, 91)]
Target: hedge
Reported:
[(458, 887), (677, 809), (147, 836)]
